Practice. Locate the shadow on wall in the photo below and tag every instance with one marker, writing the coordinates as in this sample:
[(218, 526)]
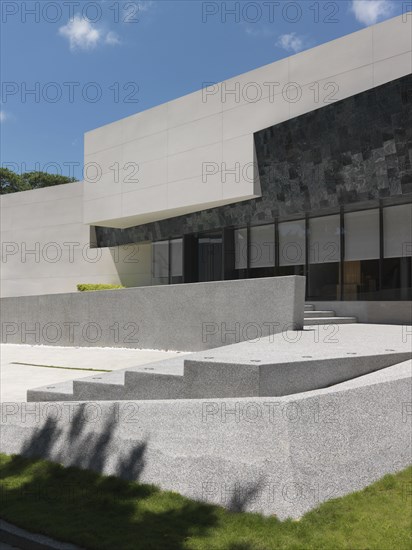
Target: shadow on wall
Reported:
[(91, 451), (124, 505)]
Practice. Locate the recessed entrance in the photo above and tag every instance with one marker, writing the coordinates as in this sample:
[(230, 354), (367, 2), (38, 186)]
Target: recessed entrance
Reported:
[(210, 257)]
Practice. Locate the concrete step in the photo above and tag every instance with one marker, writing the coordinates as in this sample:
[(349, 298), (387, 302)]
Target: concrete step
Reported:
[(309, 314), (309, 307), (271, 366), (308, 321), (140, 386), (269, 376), (158, 380), (61, 391), (144, 385), (100, 387)]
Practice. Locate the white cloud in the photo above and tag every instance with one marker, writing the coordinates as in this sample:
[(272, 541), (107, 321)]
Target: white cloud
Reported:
[(3, 116), (290, 42), (259, 32), (112, 38), (84, 35), (81, 33), (145, 5), (369, 11)]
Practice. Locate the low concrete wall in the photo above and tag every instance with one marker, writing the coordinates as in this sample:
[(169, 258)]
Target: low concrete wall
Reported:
[(279, 456), (189, 317), (384, 313)]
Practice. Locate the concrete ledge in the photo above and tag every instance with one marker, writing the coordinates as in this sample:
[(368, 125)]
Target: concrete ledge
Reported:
[(279, 456), (188, 317), (213, 379)]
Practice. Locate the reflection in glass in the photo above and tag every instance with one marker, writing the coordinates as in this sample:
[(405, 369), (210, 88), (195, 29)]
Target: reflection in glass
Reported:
[(324, 258), (262, 251), (176, 261), (361, 267), (160, 263)]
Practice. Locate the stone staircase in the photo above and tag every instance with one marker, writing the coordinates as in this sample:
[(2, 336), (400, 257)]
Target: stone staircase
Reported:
[(204, 374), (273, 366), (315, 317)]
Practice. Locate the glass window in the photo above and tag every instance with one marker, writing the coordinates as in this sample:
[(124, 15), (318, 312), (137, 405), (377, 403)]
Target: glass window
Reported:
[(397, 251), (362, 235), (361, 280), (292, 243), (176, 261), (397, 279), (361, 267), (210, 257), (397, 231), (262, 246), (324, 257), (160, 262), (324, 243), (240, 248)]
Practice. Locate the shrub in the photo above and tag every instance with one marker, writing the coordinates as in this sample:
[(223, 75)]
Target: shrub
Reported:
[(87, 288)]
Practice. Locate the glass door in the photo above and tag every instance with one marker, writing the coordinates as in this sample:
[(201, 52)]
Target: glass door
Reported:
[(210, 257)]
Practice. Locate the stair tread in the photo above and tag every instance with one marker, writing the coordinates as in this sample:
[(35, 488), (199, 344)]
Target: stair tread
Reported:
[(328, 318), (60, 388), (308, 321), (115, 378)]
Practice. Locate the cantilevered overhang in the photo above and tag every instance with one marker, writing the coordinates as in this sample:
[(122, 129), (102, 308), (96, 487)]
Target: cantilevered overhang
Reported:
[(197, 152)]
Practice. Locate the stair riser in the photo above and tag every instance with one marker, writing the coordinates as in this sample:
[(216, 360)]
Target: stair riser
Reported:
[(154, 386), (35, 396), (137, 386), (89, 391), (309, 314)]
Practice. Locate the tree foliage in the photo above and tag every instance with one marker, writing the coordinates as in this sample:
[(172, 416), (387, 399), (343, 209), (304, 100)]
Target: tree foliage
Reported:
[(36, 180), (11, 182)]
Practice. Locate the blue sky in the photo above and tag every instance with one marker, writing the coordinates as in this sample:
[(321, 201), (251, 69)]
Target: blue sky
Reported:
[(90, 61)]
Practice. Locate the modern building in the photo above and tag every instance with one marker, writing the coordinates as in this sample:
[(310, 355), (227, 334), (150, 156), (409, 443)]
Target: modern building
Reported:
[(303, 166)]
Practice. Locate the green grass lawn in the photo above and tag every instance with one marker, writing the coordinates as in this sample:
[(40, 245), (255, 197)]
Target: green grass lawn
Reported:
[(99, 512)]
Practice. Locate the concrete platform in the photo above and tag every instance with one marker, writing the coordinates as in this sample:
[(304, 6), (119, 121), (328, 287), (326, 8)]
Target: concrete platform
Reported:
[(276, 365), (278, 456)]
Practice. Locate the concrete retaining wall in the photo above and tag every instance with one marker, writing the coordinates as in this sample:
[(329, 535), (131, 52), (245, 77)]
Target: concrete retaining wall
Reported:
[(384, 313), (189, 317), (279, 456)]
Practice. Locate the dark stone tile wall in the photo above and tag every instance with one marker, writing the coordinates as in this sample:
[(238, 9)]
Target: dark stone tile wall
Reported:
[(353, 151)]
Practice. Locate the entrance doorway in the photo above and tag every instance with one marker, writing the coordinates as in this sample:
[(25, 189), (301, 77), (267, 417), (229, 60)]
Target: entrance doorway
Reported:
[(210, 257)]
